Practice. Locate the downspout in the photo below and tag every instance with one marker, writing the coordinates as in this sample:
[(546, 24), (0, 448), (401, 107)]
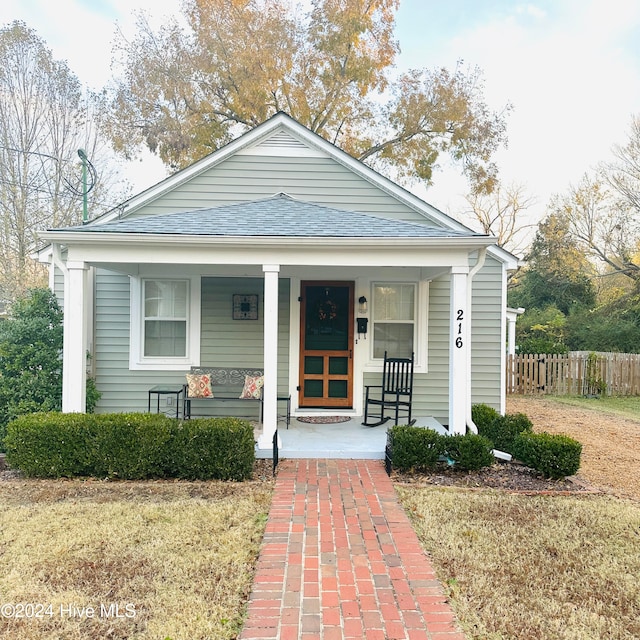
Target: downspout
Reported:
[(482, 254)]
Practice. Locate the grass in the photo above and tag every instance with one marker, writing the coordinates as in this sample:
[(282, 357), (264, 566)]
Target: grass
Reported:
[(515, 566), (628, 406), (175, 560), (154, 560)]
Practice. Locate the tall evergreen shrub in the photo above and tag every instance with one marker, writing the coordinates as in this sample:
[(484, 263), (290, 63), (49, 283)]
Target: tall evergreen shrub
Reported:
[(30, 357)]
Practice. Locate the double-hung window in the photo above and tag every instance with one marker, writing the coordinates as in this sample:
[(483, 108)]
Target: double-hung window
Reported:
[(394, 319), (164, 323), (165, 318)]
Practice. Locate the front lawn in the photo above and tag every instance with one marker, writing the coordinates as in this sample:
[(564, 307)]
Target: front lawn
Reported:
[(628, 406), (516, 566), (85, 560)]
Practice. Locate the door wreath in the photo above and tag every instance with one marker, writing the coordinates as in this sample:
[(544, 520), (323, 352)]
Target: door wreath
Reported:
[(327, 310)]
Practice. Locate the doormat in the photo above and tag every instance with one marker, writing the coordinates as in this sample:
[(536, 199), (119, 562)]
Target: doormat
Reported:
[(323, 419)]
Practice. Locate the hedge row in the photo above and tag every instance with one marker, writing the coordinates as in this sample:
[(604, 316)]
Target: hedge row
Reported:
[(418, 449), (502, 430), (555, 456), (130, 446)]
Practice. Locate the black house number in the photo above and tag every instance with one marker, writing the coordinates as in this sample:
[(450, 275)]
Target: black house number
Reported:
[(459, 319)]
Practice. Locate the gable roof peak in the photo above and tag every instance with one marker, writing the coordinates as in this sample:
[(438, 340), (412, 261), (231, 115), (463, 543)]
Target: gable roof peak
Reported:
[(282, 121)]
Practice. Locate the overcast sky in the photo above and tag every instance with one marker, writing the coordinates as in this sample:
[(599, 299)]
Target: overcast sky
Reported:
[(570, 68)]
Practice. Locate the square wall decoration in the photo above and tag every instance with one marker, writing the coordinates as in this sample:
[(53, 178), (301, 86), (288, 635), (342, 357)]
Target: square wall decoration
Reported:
[(245, 306)]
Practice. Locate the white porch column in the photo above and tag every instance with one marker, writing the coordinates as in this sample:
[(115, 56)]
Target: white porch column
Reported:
[(511, 335), (512, 317), (459, 369), (270, 390), (74, 359)]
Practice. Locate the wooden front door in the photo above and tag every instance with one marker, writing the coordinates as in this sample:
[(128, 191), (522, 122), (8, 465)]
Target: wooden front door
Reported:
[(326, 344)]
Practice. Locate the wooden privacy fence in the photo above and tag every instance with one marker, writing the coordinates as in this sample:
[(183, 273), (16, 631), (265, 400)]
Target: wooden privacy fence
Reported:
[(575, 373)]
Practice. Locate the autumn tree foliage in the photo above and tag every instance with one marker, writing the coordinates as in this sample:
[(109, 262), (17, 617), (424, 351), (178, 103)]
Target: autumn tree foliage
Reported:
[(624, 173), (195, 83), (581, 283)]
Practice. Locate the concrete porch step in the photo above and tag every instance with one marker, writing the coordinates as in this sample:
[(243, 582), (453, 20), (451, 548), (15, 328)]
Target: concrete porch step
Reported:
[(344, 440)]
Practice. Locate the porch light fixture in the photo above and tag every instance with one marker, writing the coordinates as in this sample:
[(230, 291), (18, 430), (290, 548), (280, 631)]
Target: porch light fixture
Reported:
[(362, 301)]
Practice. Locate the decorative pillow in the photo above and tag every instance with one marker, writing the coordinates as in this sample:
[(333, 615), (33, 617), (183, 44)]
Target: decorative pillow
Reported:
[(252, 387), (199, 386)]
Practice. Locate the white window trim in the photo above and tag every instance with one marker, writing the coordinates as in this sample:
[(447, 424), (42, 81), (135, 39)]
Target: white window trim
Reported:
[(137, 360), (421, 325)]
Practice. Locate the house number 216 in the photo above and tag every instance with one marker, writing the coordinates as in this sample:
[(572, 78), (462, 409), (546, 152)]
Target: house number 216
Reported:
[(459, 319)]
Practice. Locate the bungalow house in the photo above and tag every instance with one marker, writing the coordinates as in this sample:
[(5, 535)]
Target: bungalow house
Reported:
[(281, 252)]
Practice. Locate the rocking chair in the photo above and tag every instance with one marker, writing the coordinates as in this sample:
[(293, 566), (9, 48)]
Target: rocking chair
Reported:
[(395, 395)]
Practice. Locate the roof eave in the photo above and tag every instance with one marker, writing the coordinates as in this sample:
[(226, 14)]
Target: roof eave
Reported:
[(86, 237)]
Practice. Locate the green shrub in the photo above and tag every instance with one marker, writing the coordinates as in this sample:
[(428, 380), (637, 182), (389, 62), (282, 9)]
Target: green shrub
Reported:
[(130, 446), (207, 448), (555, 456), (93, 395), (419, 449), (470, 452), (30, 362), (503, 430), (414, 448), (30, 359), (49, 445), (483, 414)]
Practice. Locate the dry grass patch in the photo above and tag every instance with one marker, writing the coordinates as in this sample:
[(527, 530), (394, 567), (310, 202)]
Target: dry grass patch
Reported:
[(516, 566), (610, 443), (172, 559)]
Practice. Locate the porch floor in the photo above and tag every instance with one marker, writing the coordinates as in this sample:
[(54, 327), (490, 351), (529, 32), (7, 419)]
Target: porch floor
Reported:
[(347, 440)]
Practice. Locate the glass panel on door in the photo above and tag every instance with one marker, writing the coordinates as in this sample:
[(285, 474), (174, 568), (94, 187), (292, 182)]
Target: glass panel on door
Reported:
[(326, 349)]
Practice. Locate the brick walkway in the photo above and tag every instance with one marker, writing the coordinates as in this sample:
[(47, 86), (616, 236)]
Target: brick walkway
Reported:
[(340, 560)]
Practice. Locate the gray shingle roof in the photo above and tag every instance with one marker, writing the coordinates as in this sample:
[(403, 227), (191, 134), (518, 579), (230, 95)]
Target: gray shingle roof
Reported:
[(278, 216)]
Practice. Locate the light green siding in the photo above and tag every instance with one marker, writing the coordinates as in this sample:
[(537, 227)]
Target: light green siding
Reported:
[(319, 180), (239, 343), (431, 389), (487, 341), (225, 342)]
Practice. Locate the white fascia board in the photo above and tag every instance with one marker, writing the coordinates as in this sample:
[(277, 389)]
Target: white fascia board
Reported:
[(184, 250), (509, 261), (101, 238), (43, 254)]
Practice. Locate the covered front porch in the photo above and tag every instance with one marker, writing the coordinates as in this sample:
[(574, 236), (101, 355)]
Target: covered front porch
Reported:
[(326, 295), (344, 440)]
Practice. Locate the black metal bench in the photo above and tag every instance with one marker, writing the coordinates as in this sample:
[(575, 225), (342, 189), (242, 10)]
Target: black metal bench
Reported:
[(227, 384)]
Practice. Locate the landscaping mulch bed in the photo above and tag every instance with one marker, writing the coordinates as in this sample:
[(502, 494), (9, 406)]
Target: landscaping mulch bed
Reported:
[(509, 476), (610, 454)]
